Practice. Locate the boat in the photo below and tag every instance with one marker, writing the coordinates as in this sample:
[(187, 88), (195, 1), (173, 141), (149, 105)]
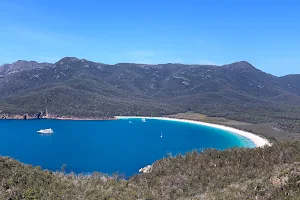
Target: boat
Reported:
[(143, 120), (46, 131), (161, 135)]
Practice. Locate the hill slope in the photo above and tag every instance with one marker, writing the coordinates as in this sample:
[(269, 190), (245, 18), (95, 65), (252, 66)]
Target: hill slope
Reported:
[(77, 87), (262, 173)]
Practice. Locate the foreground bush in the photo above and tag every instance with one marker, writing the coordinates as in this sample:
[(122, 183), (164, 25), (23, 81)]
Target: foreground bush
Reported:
[(263, 173)]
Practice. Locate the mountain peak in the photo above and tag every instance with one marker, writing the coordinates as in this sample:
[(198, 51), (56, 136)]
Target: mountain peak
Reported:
[(24, 61), (21, 65), (242, 65), (69, 60)]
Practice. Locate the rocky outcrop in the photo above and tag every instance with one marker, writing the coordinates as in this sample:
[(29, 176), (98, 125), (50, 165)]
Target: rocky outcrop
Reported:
[(146, 169)]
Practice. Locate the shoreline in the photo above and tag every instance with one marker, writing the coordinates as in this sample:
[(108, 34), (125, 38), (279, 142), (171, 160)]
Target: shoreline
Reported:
[(257, 140), (21, 117), (81, 119)]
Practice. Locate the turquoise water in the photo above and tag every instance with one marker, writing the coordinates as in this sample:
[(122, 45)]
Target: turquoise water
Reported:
[(122, 146)]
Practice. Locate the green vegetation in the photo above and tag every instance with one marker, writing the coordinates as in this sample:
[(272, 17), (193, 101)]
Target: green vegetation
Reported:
[(81, 88), (262, 173), (238, 91)]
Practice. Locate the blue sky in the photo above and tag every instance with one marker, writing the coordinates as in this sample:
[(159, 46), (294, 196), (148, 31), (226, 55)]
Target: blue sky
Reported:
[(262, 32)]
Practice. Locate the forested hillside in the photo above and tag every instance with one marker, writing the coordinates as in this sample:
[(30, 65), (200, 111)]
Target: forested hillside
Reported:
[(81, 88)]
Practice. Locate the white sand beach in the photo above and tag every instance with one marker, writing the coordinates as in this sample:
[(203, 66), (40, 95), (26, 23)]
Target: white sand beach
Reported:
[(257, 140)]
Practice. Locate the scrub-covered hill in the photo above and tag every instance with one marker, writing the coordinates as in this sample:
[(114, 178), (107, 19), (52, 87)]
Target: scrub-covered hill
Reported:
[(261, 173), (81, 88)]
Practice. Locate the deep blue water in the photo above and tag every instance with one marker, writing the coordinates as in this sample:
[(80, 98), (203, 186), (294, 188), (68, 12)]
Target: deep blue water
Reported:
[(107, 146)]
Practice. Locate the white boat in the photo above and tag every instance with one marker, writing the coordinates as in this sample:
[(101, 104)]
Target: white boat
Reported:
[(143, 120), (161, 135), (46, 131)]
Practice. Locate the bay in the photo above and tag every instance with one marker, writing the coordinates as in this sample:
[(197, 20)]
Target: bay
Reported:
[(122, 146)]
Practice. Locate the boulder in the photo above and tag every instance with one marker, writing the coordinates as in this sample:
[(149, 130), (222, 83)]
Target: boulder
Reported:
[(146, 169)]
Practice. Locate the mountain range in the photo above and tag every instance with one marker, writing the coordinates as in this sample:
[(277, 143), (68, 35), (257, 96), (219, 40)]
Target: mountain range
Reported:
[(81, 88)]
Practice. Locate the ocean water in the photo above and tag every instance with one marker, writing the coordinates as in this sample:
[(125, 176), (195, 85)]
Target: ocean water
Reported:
[(122, 146)]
